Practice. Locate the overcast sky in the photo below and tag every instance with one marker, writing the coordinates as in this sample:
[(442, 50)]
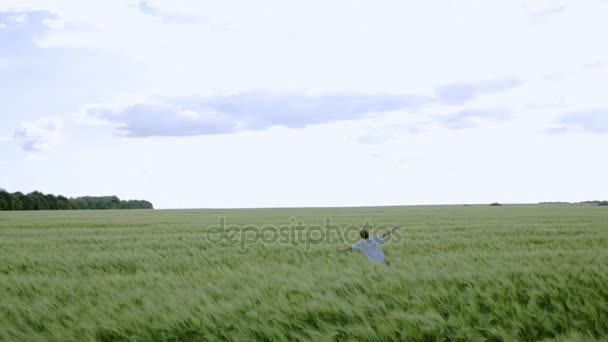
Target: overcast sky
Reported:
[(229, 103)]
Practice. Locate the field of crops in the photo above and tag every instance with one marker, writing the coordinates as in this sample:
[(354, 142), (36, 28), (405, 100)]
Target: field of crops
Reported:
[(465, 273)]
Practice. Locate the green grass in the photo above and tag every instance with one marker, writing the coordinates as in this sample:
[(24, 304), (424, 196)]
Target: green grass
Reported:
[(458, 273)]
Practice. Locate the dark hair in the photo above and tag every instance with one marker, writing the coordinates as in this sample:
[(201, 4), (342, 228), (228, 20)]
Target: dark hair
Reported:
[(364, 234)]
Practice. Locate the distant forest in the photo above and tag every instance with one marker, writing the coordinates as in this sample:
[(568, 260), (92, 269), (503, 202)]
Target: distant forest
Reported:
[(600, 203), (39, 201)]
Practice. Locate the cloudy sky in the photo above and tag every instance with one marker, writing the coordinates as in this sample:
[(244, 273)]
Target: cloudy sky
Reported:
[(230, 103)]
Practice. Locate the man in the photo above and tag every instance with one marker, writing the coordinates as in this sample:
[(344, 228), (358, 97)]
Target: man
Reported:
[(368, 246)]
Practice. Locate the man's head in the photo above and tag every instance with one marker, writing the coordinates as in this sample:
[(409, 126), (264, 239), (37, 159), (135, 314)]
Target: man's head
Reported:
[(364, 234)]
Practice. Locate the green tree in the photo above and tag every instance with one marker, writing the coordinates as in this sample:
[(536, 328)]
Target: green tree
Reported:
[(39, 201), (5, 200)]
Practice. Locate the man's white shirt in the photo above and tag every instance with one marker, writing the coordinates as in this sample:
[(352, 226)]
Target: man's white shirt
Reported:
[(370, 248)]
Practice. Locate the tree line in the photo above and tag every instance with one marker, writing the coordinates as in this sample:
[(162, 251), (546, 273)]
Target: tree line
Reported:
[(39, 201), (600, 203)]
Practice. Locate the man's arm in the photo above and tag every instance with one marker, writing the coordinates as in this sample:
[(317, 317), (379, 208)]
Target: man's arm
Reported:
[(345, 249), (390, 232)]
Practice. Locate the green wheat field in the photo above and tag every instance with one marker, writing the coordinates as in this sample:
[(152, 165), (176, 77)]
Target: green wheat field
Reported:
[(453, 273)]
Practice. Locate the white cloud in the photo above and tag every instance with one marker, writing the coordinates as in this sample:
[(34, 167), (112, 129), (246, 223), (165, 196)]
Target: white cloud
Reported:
[(323, 165), (13, 21), (377, 46), (453, 53), (461, 93), (188, 116), (20, 19), (594, 65), (40, 135), (467, 118), (593, 120)]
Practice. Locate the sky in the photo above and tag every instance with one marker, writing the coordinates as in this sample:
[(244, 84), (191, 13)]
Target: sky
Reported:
[(274, 103)]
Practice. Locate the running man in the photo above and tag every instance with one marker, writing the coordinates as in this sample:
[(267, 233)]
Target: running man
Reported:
[(368, 246)]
